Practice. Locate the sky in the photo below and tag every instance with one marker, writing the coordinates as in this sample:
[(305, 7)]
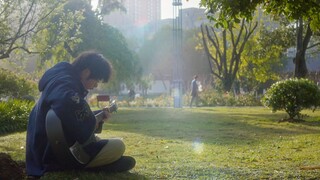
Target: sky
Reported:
[(167, 9), (166, 6)]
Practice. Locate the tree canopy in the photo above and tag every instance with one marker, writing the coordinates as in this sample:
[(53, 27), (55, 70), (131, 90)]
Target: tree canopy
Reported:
[(305, 15), (224, 48), (58, 30), (234, 10), (20, 20), (263, 58)]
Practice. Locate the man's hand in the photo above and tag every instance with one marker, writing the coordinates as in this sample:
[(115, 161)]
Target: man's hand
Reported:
[(101, 118), (106, 114)]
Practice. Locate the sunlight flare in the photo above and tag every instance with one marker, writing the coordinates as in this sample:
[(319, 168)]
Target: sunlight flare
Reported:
[(197, 146)]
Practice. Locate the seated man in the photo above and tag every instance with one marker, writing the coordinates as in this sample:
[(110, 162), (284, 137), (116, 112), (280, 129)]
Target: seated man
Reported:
[(63, 89)]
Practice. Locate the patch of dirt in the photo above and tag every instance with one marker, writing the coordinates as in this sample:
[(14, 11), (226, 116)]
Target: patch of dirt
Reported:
[(10, 169)]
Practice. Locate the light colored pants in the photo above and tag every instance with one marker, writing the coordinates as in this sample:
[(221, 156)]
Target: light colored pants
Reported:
[(111, 152)]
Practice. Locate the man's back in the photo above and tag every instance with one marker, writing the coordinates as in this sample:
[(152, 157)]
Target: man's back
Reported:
[(194, 87)]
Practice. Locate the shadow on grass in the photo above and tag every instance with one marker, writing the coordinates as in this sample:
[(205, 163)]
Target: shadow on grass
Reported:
[(311, 123), (213, 172), (240, 126), (83, 175)]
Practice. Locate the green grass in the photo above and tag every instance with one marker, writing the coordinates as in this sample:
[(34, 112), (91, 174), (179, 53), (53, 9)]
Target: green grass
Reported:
[(205, 143)]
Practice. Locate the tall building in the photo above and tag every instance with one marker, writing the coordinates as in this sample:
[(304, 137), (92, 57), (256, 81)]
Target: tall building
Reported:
[(138, 14)]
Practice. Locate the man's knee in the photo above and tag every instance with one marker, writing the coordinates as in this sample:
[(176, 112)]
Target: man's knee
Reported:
[(117, 145), (110, 153)]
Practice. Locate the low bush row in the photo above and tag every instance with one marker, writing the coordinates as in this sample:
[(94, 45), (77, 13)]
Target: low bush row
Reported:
[(215, 98), (206, 98), (15, 85), (14, 115)]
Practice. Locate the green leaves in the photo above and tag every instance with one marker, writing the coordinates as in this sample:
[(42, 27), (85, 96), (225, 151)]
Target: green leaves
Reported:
[(233, 10), (292, 96), (78, 28), (21, 20), (263, 56), (107, 6), (14, 115), (12, 85)]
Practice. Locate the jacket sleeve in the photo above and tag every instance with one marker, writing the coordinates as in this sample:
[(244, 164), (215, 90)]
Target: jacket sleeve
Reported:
[(78, 121)]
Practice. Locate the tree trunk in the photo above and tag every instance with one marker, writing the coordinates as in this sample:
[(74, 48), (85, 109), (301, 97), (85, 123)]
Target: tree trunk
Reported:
[(301, 69), (227, 83)]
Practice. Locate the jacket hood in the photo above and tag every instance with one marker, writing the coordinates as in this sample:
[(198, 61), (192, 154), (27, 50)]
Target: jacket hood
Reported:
[(60, 70)]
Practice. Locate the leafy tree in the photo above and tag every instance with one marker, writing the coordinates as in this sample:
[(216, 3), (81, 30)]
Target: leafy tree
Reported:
[(61, 35), (225, 53), (107, 6), (305, 15), (263, 57), (86, 32), (22, 19), (109, 41), (59, 30)]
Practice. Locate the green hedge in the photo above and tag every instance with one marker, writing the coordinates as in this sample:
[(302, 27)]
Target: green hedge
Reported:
[(16, 85), (209, 97), (212, 97), (14, 115)]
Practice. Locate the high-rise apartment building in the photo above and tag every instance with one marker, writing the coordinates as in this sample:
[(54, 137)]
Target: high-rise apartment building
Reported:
[(139, 13)]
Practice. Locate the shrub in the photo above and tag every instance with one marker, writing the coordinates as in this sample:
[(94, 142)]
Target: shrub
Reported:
[(14, 86), (14, 115), (229, 99), (248, 99), (163, 101), (292, 96), (212, 97)]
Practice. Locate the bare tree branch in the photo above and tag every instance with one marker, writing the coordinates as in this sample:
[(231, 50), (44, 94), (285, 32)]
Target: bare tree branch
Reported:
[(313, 45), (215, 43), (28, 24), (207, 49)]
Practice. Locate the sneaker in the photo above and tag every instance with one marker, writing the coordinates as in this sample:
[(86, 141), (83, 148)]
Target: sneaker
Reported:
[(125, 163)]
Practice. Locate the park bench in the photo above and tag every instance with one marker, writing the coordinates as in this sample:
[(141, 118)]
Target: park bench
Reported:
[(102, 98)]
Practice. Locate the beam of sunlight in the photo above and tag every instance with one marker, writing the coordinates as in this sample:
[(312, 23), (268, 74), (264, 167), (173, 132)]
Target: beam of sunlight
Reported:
[(197, 146)]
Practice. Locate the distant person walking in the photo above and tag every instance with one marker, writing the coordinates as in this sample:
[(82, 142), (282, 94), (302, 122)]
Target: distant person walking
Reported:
[(131, 94), (194, 91)]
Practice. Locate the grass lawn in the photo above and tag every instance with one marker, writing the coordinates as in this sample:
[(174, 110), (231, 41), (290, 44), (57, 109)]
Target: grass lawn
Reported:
[(205, 143)]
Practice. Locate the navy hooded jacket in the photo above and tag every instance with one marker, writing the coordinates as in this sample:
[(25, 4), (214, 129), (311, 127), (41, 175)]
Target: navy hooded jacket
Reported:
[(61, 90)]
